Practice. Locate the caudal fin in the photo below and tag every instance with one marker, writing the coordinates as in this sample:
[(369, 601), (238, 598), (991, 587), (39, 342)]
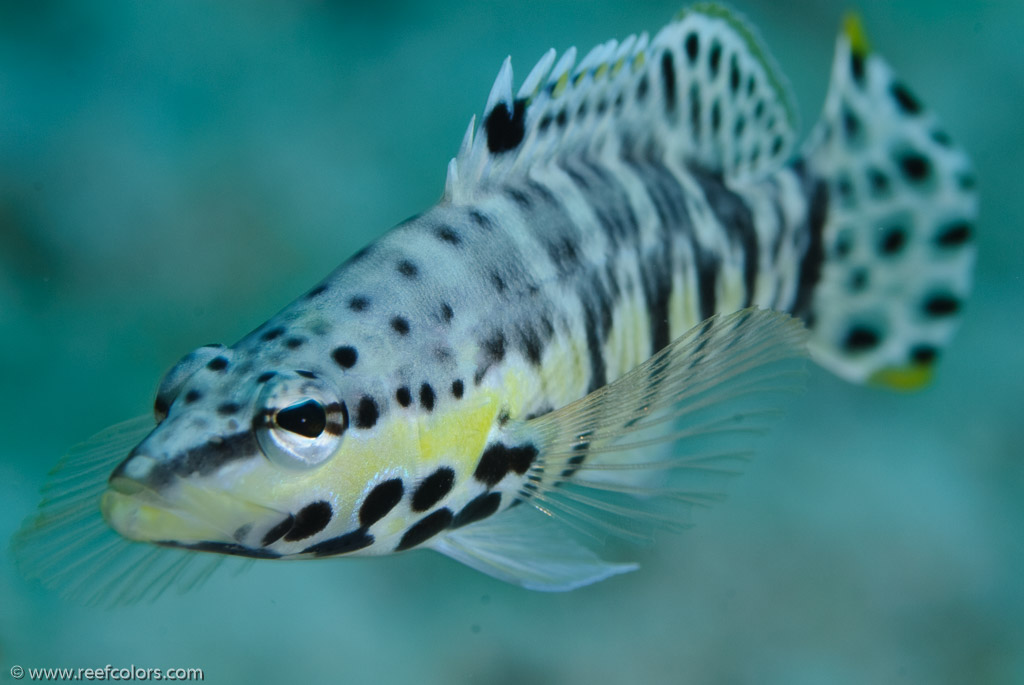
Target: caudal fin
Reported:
[(898, 236)]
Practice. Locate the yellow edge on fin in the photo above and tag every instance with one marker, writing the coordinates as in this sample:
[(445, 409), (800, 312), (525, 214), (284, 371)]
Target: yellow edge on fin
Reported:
[(854, 30), (910, 377)]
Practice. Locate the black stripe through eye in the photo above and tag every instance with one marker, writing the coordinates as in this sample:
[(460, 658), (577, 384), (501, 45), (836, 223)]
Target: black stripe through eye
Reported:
[(306, 418)]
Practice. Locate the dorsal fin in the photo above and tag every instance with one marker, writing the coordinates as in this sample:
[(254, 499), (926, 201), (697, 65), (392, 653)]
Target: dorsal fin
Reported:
[(702, 90)]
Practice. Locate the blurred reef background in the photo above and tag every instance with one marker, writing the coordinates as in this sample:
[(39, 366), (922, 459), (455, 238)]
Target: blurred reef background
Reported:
[(173, 173)]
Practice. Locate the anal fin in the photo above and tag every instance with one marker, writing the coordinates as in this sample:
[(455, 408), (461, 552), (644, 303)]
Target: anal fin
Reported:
[(523, 547)]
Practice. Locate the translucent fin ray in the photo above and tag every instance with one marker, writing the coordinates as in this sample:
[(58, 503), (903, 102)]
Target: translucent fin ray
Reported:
[(666, 436), (68, 546), (524, 548)]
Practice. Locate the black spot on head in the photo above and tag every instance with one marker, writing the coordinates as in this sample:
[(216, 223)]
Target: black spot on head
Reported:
[(407, 268), (692, 46), (316, 292), (367, 412), (446, 312), (716, 116), (403, 396), (861, 338), (192, 396), (217, 364), (505, 128), (478, 508), (905, 100), (562, 119), (310, 520), (294, 343), (345, 356), (272, 334), (545, 123), (275, 533), (433, 488), (381, 500), (734, 75), (400, 325), (914, 166), (954, 234), (457, 389), (894, 239), (228, 408), (358, 303), (265, 376), (426, 528), (941, 304), (448, 235), (349, 542), (924, 354), (305, 374), (427, 397)]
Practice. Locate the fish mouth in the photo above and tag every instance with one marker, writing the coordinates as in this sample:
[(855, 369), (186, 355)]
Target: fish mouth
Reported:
[(135, 516), (184, 516)]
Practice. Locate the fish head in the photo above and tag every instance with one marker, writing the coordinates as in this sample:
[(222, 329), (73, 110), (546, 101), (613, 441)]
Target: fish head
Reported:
[(242, 461)]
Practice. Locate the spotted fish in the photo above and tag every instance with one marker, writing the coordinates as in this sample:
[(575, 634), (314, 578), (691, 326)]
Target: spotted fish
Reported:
[(628, 265)]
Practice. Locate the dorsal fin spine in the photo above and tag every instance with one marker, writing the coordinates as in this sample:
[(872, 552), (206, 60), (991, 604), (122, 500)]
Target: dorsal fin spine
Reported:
[(532, 84), (681, 97)]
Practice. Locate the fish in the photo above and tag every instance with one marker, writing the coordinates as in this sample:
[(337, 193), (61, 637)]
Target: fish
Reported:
[(585, 338)]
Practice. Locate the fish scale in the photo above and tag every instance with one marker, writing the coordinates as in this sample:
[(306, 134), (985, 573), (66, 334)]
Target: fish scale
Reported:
[(584, 337)]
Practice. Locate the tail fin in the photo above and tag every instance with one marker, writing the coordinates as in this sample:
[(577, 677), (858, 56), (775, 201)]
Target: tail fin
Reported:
[(898, 235)]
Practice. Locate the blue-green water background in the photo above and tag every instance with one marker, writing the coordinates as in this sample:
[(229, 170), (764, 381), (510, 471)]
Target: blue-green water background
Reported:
[(172, 173)]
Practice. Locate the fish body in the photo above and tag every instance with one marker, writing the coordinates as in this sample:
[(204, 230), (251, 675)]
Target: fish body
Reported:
[(630, 257)]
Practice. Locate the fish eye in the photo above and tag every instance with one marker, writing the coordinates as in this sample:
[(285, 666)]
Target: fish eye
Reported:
[(300, 425), (307, 418)]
